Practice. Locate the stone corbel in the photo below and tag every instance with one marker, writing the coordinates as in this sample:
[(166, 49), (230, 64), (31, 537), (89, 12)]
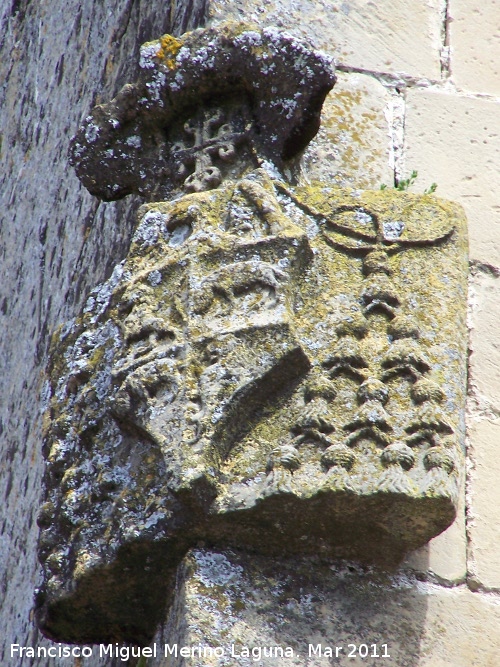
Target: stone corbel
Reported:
[(274, 368)]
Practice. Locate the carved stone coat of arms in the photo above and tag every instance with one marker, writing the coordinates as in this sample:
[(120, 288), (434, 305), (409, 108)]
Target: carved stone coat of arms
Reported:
[(273, 367)]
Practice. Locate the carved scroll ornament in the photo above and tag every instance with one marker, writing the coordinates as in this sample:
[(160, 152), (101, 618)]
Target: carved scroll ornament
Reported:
[(273, 368)]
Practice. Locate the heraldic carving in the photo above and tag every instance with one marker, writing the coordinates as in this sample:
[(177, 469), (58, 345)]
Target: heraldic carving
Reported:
[(273, 367)]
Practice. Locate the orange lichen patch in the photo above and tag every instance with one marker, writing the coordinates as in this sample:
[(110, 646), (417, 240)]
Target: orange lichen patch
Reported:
[(169, 48)]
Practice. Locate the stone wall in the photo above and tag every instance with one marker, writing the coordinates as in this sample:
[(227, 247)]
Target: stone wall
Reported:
[(57, 242), (418, 90)]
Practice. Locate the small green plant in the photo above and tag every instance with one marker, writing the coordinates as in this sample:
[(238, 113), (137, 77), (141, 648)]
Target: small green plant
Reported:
[(431, 189), (405, 183)]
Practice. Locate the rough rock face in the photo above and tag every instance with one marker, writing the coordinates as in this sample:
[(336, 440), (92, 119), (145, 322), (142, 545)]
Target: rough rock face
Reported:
[(271, 368), (57, 242)]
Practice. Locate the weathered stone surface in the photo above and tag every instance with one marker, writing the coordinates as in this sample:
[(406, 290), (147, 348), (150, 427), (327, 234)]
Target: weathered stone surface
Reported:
[(484, 502), (205, 393), (386, 37), (444, 559), (483, 514), (475, 53), (238, 603), (352, 145), (456, 126), (57, 242), (455, 142), (206, 106), (484, 341)]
